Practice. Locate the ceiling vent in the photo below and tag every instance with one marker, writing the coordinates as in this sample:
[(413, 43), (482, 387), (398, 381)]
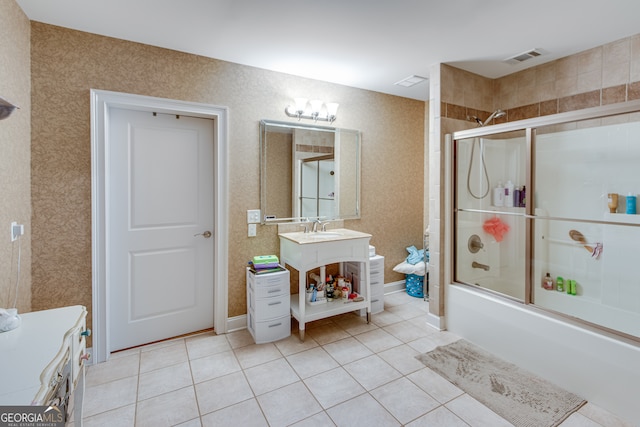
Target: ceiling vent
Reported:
[(411, 81), (524, 56)]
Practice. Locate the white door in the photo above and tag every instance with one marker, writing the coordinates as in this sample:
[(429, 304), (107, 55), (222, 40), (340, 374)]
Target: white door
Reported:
[(159, 226)]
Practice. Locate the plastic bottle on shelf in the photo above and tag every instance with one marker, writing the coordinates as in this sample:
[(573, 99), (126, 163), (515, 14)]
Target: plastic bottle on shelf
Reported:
[(498, 195), (523, 197), (508, 194), (547, 282), (631, 204)]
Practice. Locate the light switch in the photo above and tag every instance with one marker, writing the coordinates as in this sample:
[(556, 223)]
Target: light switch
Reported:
[(253, 216)]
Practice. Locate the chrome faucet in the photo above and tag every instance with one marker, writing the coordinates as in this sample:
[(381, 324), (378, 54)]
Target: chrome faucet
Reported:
[(323, 225), (305, 224), (478, 265)]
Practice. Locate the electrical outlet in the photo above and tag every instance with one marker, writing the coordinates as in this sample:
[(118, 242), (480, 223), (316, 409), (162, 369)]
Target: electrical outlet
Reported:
[(17, 230), (252, 230), (253, 216)]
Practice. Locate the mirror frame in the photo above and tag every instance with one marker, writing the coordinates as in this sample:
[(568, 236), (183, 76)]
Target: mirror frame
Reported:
[(263, 169)]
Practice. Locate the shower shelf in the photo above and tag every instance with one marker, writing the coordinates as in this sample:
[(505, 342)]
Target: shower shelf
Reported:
[(501, 211)]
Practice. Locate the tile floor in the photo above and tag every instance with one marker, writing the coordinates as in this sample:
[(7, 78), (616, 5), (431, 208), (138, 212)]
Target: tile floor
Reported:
[(345, 373)]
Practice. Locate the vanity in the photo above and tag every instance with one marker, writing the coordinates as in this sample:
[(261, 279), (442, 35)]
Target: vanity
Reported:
[(305, 251)]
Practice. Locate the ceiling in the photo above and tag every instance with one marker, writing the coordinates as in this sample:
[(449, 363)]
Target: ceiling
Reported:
[(368, 44)]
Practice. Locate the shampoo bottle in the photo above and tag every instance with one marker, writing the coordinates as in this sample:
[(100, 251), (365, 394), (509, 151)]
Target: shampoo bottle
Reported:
[(523, 197), (508, 194), (547, 282), (498, 195), (631, 204)]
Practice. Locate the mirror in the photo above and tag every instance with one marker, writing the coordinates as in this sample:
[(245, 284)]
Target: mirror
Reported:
[(308, 171)]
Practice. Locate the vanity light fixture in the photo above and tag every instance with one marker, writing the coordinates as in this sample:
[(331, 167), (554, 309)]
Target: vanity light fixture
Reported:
[(305, 109)]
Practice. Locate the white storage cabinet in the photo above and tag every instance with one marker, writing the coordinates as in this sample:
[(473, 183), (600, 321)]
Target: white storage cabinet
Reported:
[(268, 306), (376, 281)]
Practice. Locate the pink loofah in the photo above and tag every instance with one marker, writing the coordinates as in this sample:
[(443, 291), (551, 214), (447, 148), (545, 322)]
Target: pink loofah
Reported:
[(496, 228)]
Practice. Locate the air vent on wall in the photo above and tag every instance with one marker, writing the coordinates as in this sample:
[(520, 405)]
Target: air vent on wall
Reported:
[(524, 56)]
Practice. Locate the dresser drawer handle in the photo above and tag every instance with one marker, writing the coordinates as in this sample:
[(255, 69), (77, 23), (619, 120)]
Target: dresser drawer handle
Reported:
[(275, 324), (275, 303), (273, 291)]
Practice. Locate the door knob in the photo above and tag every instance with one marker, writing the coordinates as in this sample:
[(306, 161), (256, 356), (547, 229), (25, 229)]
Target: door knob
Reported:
[(206, 234)]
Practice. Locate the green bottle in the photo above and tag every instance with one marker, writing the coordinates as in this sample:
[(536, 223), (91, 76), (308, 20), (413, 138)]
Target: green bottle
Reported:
[(560, 284)]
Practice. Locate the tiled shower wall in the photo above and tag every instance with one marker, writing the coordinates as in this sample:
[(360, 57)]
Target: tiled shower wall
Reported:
[(603, 75), (600, 76)]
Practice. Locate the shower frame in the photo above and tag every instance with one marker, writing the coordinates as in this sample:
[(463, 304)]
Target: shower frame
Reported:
[(529, 127)]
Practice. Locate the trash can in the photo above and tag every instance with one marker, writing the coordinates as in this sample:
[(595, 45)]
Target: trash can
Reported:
[(414, 285)]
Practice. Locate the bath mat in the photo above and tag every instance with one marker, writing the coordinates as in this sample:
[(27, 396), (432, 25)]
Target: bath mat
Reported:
[(518, 396)]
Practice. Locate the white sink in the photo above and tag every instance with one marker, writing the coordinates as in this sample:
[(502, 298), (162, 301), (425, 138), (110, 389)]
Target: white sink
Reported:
[(300, 237), (324, 235)]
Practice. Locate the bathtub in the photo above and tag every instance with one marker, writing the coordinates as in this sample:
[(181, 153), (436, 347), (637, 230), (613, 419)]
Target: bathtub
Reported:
[(601, 368)]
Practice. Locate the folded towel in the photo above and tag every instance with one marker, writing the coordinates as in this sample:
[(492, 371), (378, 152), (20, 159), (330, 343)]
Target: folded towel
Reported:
[(415, 255)]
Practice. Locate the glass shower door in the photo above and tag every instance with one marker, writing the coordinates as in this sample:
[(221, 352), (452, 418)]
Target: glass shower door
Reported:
[(490, 223)]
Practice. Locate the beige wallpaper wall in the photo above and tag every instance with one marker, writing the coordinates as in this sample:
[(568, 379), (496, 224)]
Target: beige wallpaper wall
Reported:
[(603, 75), (66, 64), (15, 145)]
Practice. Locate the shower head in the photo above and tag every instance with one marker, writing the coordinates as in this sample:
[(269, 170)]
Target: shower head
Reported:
[(495, 115)]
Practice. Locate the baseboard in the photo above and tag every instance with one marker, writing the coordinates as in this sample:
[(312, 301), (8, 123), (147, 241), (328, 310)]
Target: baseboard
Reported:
[(236, 323), (393, 287), (436, 321)]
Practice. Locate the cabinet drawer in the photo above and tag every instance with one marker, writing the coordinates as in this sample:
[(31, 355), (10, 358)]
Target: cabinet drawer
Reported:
[(377, 288), (376, 279), (268, 289), (271, 330), (377, 304), (376, 269), (269, 308), (270, 279)]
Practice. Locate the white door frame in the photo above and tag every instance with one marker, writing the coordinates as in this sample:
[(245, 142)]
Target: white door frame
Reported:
[(101, 102)]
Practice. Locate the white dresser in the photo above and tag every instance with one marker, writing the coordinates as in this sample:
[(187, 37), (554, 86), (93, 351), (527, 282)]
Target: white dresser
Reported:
[(42, 361), (268, 308)]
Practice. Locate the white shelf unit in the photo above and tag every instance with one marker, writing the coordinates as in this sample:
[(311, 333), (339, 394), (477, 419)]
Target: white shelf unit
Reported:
[(268, 315), (313, 254)]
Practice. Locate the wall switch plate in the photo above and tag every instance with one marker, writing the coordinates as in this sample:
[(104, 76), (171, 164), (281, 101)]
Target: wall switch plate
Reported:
[(253, 216), (252, 230)]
